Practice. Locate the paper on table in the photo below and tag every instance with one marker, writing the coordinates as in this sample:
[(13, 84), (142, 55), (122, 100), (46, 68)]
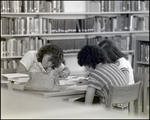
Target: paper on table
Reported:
[(19, 80), (78, 87), (72, 80)]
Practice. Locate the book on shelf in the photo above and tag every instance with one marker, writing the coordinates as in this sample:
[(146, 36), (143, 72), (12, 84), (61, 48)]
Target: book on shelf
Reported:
[(139, 23), (19, 46), (142, 69), (32, 6), (117, 6), (9, 64), (144, 52)]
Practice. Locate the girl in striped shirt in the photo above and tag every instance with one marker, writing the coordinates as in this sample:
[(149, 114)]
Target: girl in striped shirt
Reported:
[(102, 73)]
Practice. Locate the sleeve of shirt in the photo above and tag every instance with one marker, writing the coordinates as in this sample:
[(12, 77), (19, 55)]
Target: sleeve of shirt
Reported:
[(122, 65), (27, 59), (92, 82)]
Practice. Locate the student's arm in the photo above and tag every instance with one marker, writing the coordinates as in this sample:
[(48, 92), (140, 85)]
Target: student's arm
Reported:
[(65, 72), (89, 95), (126, 73), (26, 62), (21, 69)]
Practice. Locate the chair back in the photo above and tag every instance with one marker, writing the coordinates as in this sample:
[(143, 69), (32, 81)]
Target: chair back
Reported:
[(124, 94), (145, 79)]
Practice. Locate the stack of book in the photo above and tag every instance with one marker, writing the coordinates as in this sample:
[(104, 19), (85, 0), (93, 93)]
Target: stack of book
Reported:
[(16, 78)]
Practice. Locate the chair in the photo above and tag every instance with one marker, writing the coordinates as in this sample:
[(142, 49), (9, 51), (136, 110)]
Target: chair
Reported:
[(145, 79), (126, 94)]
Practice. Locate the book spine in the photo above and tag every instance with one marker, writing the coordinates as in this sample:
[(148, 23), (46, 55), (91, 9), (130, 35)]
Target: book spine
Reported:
[(25, 6), (36, 6), (30, 6), (3, 6), (54, 10)]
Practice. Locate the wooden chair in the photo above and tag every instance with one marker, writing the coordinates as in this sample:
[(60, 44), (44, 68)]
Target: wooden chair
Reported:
[(145, 79), (126, 94)]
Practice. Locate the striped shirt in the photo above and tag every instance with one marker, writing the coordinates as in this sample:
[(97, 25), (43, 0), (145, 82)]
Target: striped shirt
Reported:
[(102, 76)]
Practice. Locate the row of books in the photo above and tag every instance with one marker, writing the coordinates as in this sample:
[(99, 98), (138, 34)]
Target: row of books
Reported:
[(143, 69), (34, 25), (143, 55), (124, 43), (32, 6), (139, 23), (73, 45), (19, 46), (120, 5), (9, 64), (121, 23)]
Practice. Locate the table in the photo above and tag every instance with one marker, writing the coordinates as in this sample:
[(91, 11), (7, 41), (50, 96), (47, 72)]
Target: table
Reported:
[(63, 94), (16, 105)]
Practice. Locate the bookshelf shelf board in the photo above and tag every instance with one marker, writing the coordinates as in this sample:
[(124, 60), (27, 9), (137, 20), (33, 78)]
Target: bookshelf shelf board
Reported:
[(74, 34), (70, 54), (128, 51), (139, 62), (72, 13), (11, 57)]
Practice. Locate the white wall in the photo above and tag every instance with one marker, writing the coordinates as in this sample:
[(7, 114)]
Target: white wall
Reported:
[(74, 6), (71, 63)]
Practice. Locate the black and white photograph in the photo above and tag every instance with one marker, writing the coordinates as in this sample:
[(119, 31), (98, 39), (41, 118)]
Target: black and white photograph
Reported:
[(75, 59)]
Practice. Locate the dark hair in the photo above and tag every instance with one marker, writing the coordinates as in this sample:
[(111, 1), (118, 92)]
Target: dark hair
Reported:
[(91, 55), (111, 49), (55, 51)]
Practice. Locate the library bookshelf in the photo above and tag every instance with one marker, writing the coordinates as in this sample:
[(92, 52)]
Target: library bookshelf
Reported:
[(25, 31), (142, 54)]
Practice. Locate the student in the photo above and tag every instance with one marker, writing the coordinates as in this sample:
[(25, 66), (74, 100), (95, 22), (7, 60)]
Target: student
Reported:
[(102, 73), (118, 57), (48, 57)]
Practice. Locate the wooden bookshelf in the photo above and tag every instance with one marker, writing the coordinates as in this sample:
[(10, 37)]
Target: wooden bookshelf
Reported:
[(141, 60), (81, 18)]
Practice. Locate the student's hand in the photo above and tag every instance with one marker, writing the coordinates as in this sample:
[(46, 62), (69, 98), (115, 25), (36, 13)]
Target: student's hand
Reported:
[(87, 74), (63, 75), (82, 82)]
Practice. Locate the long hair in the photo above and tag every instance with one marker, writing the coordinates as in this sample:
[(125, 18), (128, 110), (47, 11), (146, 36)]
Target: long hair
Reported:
[(54, 50), (91, 55), (111, 49)]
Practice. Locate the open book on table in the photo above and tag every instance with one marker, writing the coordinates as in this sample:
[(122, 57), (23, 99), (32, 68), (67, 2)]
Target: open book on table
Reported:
[(70, 80)]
